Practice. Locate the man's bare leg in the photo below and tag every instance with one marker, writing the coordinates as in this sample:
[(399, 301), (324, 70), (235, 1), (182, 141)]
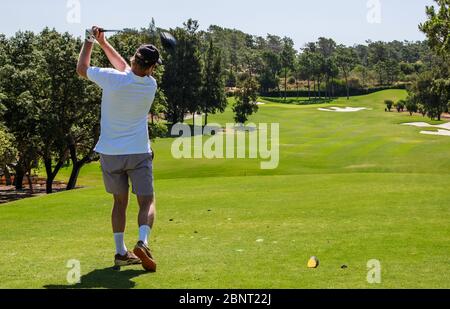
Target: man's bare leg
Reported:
[(119, 213), (146, 219), (147, 210), (119, 222)]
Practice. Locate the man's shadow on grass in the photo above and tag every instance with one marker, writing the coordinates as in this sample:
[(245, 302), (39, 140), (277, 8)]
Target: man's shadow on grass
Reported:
[(107, 278)]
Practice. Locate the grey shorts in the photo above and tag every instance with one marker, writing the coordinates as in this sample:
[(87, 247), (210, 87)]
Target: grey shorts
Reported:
[(118, 170)]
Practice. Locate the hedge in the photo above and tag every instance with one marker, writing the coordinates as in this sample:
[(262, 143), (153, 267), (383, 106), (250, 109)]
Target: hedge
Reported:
[(337, 93)]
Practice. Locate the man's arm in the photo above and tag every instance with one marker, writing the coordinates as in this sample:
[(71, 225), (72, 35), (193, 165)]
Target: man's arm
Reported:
[(114, 57), (84, 60)]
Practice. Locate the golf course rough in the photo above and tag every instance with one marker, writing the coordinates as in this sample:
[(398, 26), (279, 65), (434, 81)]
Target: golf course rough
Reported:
[(349, 188)]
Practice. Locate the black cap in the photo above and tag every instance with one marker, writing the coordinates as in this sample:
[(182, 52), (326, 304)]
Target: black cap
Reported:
[(148, 54)]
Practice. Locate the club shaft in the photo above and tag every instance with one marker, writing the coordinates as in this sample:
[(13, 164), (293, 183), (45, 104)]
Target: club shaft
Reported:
[(107, 30)]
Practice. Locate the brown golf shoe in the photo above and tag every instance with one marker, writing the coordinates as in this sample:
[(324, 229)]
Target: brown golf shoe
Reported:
[(143, 252), (126, 260)]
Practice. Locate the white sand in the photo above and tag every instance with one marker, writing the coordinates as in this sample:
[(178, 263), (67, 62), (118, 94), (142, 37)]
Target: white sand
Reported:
[(260, 103), (438, 132), (343, 110), (444, 126)]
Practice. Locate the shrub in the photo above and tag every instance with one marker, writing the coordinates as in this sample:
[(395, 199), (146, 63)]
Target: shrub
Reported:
[(389, 104), (400, 105), (157, 129), (291, 80), (411, 106)]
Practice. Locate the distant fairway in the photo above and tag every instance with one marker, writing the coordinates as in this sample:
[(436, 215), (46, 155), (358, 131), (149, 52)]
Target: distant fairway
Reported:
[(350, 187)]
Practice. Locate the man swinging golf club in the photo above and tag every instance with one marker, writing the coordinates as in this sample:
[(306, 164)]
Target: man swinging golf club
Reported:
[(124, 145)]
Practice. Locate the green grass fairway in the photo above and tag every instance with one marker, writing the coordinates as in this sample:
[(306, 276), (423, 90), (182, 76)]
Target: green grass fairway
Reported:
[(350, 187)]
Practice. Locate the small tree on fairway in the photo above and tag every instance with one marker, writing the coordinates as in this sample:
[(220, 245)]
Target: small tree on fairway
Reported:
[(213, 90), (433, 93), (389, 104), (400, 105), (246, 98), (411, 105)]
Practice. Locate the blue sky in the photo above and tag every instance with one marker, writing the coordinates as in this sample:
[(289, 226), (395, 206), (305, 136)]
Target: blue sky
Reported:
[(344, 20)]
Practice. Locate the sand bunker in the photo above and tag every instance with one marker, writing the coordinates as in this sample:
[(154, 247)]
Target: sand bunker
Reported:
[(438, 132), (445, 126), (260, 103), (443, 129), (343, 110)]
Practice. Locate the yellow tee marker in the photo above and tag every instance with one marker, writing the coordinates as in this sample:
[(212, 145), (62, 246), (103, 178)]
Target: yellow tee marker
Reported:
[(313, 262)]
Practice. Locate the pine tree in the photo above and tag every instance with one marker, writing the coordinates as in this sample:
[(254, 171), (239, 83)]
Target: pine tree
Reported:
[(182, 79), (213, 90), (246, 97)]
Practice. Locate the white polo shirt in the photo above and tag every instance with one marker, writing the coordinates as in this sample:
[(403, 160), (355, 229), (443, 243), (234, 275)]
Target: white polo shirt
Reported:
[(126, 102)]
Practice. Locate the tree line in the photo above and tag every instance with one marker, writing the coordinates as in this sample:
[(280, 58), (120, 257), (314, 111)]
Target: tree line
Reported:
[(49, 116), (321, 68)]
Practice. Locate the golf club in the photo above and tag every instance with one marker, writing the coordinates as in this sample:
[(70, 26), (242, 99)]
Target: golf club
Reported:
[(168, 41), (107, 30)]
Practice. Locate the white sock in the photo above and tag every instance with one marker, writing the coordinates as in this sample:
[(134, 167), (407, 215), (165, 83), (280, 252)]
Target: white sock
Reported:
[(120, 244), (144, 233)]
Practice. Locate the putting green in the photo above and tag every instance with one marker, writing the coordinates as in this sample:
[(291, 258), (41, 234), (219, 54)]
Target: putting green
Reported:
[(350, 187)]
